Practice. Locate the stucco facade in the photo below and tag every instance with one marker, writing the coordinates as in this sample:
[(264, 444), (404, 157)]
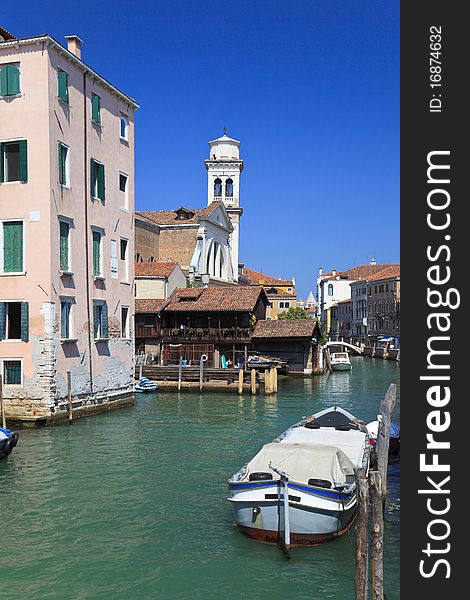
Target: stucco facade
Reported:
[(75, 214)]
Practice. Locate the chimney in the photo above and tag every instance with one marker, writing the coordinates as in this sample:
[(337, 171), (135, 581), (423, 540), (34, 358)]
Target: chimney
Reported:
[(74, 45), (333, 272)]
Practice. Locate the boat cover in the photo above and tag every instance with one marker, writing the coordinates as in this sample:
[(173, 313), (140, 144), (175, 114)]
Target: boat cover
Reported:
[(351, 442), (302, 462)]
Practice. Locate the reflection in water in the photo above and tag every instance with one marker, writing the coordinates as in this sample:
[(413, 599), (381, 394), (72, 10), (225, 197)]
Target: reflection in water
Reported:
[(133, 503)]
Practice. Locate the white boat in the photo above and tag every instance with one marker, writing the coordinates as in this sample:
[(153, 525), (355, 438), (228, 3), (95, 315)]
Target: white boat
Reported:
[(145, 385), (300, 489), (340, 361)]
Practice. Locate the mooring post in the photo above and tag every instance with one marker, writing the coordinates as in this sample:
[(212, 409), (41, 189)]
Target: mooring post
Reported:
[(362, 545), (253, 382), (383, 435), (245, 362), (274, 380), (328, 359), (201, 374), (267, 383), (180, 373), (2, 408), (69, 396), (377, 536), (141, 364), (240, 381)]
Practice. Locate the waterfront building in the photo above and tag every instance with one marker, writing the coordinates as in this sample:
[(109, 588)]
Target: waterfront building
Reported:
[(279, 301), (280, 292), (66, 230), (335, 286), (210, 321), (295, 341), (359, 312), (341, 318), (383, 306)]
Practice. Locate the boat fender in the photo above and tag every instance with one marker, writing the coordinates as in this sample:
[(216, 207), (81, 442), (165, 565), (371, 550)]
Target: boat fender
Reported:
[(260, 476), (312, 425), (15, 437), (342, 428), (8, 447), (204, 358), (322, 483)]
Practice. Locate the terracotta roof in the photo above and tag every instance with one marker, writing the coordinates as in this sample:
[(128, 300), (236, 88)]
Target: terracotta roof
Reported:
[(170, 217), (148, 305), (392, 271), (258, 278), (218, 299), (285, 328), (6, 35), (154, 269), (361, 272)]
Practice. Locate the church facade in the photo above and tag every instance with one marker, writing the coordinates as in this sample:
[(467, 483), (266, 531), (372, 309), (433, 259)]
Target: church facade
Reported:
[(203, 241)]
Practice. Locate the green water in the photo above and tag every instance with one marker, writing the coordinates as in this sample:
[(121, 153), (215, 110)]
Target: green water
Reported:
[(132, 504)]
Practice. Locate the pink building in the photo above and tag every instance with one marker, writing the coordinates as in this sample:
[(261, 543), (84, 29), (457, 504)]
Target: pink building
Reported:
[(66, 237)]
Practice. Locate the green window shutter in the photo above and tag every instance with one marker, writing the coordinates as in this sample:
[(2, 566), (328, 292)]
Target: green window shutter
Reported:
[(104, 320), (13, 247), (3, 81), (96, 318), (23, 160), (92, 178), (24, 322), (12, 80), (62, 164), (62, 86), (3, 320), (96, 254), (101, 189), (64, 246), (95, 109), (2, 161)]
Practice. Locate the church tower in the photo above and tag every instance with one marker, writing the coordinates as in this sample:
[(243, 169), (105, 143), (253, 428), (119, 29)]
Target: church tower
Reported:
[(224, 167)]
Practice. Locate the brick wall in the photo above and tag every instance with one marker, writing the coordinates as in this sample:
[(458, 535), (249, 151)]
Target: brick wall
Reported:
[(146, 242), (178, 245)]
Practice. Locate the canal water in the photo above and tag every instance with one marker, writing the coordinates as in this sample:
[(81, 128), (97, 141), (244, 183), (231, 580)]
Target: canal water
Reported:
[(132, 504)]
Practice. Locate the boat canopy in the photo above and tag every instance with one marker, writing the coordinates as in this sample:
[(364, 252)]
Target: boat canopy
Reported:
[(351, 442), (302, 461)]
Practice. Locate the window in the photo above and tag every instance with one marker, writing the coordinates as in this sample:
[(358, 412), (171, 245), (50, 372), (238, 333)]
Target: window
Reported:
[(12, 246), (330, 289), (100, 320), (281, 304), (125, 322), (114, 260), (124, 127), (12, 372), (286, 304), (217, 188), (124, 252), (229, 188), (97, 180), (9, 80), (14, 161), (14, 321), (63, 86), (65, 318), (123, 190), (96, 109), (97, 267), (64, 178), (64, 246)]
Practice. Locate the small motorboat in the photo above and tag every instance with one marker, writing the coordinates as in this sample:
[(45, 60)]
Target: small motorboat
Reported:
[(340, 361), (8, 440), (145, 385), (300, 489), (394, 444)]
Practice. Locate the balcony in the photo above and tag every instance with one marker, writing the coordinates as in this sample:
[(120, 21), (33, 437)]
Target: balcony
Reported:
[(146, 331), (201, 334)]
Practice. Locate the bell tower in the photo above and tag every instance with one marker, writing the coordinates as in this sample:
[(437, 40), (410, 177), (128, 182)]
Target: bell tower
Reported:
[(224, 167)]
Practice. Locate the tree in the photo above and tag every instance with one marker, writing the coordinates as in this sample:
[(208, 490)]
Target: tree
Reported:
[(294, 313)]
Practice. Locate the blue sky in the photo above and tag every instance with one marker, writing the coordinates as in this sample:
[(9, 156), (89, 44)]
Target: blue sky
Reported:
[(310, 88)]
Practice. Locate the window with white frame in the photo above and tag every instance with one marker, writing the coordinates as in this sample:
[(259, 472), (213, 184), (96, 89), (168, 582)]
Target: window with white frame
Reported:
[(64, 246), (66, 329), (97, 252), (10, 79), (12, 247), (125, 329), (100, 320), (123, 191), (12, 371), (14, 161), (124, 127), (64, 168), (124, 256), (14, 321)]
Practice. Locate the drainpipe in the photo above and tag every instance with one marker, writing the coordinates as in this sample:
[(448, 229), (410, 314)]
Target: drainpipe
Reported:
[(87, 262)]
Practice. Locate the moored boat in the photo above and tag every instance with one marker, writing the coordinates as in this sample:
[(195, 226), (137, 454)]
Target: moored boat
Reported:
[(8, 440), (394, 440), (300, 489), (340, 361), (145, 385)]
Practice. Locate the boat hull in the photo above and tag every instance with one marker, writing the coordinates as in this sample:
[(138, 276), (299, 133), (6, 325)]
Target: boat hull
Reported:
[(341, 366)]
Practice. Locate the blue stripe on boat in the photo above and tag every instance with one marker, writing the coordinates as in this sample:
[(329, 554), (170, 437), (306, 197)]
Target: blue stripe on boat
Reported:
[(245, 486)]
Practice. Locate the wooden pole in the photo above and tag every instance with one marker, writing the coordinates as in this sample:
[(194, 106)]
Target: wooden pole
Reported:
[(201, 374), (362, 546), (245, 365), (328, 359), (267, 383), (383, 435), (253, 382), (273, 377), (233, 355), (377, 536), (180, 373), (69, 396), (141, 364), (2, 408), (240, 381)]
